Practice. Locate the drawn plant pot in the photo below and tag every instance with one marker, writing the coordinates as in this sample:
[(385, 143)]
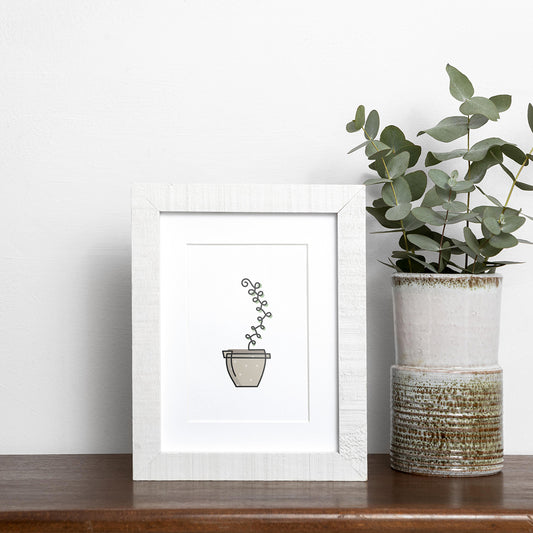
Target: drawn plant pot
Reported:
[(245, 367)]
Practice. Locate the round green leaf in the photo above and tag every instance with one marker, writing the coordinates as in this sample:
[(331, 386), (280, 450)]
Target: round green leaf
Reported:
[(413, 150), (471, 240), (461, 217), (514, 153), (402, 189), (350, 127), (427, 215), (431, 160), (489, 251), (372, 124), (439, 178), (375, 146), (486, 233), (398, 212), (434, 158), (492, 225), (501, 101), (463, 186), (410, 223), (423, 242), (478, 105), (388, 195), (460, 86), (530, 116), (379, 214), (463, 247), (393, 136), (480, 149), (445, 195), (489, 211), (397, 192), (478, 169), (503, 240), (417, 182), (380, 155), (359, 120), (378, 166), (406, 257), (375, 181), (398, 165), (413, 267), (421, 230), (512, 223), (524, 186), (455, 206), (432, 198), (476, 121), (448, 129)]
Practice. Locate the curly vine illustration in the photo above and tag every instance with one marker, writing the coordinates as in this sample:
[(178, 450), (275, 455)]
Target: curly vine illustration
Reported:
[(257, 296)]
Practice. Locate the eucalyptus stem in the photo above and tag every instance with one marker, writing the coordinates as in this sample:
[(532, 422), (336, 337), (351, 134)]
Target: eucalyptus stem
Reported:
[(443, 229), (395, 197), (468, 171), (467, 177), (515, 180)]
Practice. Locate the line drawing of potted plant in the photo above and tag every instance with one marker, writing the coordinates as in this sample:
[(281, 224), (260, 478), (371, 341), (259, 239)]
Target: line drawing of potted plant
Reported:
[(246, 367)]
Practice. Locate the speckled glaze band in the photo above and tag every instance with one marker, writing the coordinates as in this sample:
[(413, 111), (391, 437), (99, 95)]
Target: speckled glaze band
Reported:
[(446, 423)]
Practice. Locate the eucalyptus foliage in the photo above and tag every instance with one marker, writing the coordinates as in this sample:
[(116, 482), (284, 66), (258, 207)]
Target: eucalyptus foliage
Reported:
[(423, 206)]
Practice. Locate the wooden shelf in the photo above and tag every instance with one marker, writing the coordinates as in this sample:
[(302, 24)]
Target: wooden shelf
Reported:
[(95, 493)]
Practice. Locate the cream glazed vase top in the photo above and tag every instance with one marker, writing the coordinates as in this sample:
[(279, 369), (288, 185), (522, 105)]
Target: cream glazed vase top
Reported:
[(446, 320), (446, 385)]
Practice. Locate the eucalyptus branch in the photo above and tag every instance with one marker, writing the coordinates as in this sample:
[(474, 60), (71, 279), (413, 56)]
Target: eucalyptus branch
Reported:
[(515, 180), (391, 181), (468, 178), (392, 154), (474, 265), (443, 230)]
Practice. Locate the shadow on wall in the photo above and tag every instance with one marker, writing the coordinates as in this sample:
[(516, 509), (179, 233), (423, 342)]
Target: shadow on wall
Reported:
[(380, 334), (380, 352), (108, 364)]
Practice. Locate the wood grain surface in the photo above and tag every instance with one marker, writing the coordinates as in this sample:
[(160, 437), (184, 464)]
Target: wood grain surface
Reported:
[(95, 493)]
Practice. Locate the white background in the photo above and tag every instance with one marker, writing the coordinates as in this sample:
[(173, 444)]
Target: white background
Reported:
[(96, 95), (205, 310)]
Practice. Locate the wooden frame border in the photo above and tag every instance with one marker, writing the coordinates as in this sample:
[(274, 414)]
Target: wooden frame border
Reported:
[(348, 203)]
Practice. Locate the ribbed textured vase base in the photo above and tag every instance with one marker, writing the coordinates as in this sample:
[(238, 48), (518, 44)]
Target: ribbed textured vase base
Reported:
[(446, 422)]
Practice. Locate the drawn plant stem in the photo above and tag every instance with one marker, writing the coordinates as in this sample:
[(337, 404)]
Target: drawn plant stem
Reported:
[(257, 297)]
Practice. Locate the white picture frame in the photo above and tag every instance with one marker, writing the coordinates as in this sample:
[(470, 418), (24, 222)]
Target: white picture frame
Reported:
[(348, 461)]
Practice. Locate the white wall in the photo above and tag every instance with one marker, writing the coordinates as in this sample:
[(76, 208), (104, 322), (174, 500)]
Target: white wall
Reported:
[(96, 95)]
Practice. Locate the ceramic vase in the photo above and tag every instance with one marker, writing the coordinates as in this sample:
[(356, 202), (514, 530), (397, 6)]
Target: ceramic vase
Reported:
[(446, 385)]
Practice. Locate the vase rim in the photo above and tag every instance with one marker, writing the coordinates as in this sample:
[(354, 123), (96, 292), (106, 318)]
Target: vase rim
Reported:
[(469, 281), (442, 275)]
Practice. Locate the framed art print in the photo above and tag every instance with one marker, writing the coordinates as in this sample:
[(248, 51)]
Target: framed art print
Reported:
[(249, 330)]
